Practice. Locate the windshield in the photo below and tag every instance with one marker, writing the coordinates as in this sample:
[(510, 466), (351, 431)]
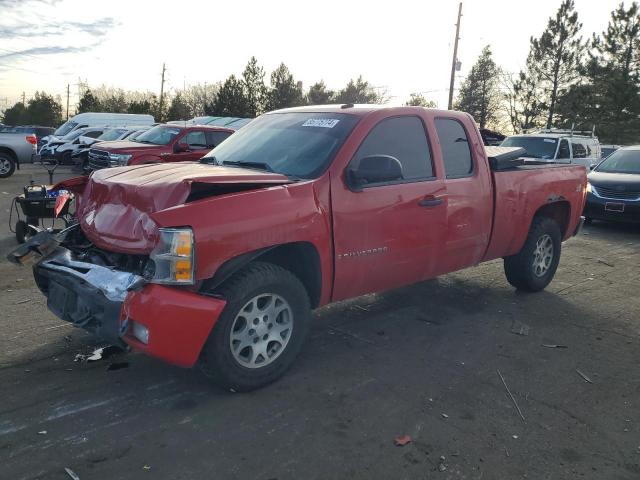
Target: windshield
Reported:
[(73, 135), (160, 135), (536, 147), (111, 135), (65, 128), (296, 144), (621, 161)]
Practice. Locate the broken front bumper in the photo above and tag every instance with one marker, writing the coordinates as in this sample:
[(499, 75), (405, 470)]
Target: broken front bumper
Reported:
[(108, 302)]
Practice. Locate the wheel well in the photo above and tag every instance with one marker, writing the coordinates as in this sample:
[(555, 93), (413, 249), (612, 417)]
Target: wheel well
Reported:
[(559, 211), (9, 152), (300, 258)]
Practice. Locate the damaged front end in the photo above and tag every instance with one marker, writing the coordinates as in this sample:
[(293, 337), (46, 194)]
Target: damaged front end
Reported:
[(119, 297), (83, 285)]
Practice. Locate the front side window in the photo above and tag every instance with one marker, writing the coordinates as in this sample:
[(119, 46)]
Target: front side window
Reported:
[(195, 140), (298, 144), (65, 128), (456, 151), (160, 135), (403, 138)]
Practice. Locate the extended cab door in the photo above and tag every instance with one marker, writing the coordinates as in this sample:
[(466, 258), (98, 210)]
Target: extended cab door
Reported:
[(389, 234), (469, 193)]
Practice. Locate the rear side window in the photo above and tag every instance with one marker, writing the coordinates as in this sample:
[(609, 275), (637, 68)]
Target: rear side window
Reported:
[(563, 151), (196, 140), (216, 138), (579, 151), (456, 152), (403, 138)]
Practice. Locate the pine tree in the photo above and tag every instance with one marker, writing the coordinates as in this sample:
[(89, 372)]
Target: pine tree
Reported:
[(88, 103), (16, 115), (480, 92), (418, 100), (231, 100), (285, 91), (254, 88), (358, 91), (44, 110), (555, 56), (178, 110), (319, 94)]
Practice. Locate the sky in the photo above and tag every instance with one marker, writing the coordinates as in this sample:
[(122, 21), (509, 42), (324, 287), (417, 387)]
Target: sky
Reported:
[(399, 46)]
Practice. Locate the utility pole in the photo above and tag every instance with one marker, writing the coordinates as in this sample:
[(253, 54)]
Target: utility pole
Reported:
[(161, 94), (24, 98), (68, 101), (455, 58)]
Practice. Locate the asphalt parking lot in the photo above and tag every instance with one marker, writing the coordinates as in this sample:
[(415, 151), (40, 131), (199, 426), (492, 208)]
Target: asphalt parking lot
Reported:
[(424, 361)]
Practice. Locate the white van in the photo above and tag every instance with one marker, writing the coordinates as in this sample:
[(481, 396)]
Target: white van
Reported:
[(91, 119), (558, 146)]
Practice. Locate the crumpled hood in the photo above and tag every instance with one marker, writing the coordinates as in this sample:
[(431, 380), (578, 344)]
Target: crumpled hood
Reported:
[(117, 205)]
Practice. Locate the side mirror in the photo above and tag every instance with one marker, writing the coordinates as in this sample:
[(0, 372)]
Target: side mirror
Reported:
[(180, 147), (591, 167), (374, 169)]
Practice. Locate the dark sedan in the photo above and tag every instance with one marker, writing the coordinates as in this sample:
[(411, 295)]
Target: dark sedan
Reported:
[(614, 187)]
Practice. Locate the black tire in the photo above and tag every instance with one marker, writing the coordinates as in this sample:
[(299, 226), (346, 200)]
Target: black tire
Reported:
[(66, 159), (23, 231), (521, 270), (7, 165), (217, 360)]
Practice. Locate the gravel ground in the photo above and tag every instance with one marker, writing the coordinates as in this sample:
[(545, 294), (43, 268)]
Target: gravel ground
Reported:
[(421, 361)]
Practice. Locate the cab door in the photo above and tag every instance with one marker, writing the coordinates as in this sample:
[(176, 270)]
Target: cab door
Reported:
[(388, 234), (195, 147)]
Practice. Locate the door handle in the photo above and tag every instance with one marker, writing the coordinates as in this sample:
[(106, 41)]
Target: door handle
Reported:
[(430, 202)]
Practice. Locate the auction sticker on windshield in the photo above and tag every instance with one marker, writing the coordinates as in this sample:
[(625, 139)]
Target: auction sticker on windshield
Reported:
[(321, 122)]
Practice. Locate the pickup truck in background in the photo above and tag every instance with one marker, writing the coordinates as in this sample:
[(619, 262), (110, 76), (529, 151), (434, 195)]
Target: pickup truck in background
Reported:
[(220, 262), (162, 143), (16, 148)]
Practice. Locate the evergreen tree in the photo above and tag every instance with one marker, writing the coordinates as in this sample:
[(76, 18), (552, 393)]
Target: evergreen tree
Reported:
[(318, 94), (285, 91), (522, 96), (555, 56), (231, 100), (178, 110), (88, 103), (418, 100), (480, 92), (44, 110), (255, 90), (358, 91), (16, 115)]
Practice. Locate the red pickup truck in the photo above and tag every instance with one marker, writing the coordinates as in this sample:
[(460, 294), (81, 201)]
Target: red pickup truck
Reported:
[(162, 143), (221, 262)]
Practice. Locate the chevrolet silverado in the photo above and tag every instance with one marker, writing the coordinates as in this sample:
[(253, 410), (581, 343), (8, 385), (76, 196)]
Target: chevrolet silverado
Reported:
[(220, 263)]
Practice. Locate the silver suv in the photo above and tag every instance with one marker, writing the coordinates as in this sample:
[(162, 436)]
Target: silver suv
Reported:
[(558, 146)]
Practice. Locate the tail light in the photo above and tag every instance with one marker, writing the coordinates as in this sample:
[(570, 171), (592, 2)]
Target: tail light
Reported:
[(31, 139)]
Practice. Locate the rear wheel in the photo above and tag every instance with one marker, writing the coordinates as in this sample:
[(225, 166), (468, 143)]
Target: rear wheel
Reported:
[(7, 165), (533, 268), (260, 331)]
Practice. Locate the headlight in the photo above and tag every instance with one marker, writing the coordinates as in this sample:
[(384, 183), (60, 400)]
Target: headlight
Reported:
[(588, 187), (173, 257), (116, 159)]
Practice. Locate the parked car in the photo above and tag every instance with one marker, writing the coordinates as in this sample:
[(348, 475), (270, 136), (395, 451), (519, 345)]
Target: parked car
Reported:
[(614, 187), (61, 150), (98, 119), (80, 157), (607, 150), (222, 261), (162, 143), (38, 131), (558, 146), (15, 148)]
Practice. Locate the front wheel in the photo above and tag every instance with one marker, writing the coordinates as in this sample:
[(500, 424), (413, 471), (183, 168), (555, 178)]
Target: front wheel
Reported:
[(535, 265), (260, 331)]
